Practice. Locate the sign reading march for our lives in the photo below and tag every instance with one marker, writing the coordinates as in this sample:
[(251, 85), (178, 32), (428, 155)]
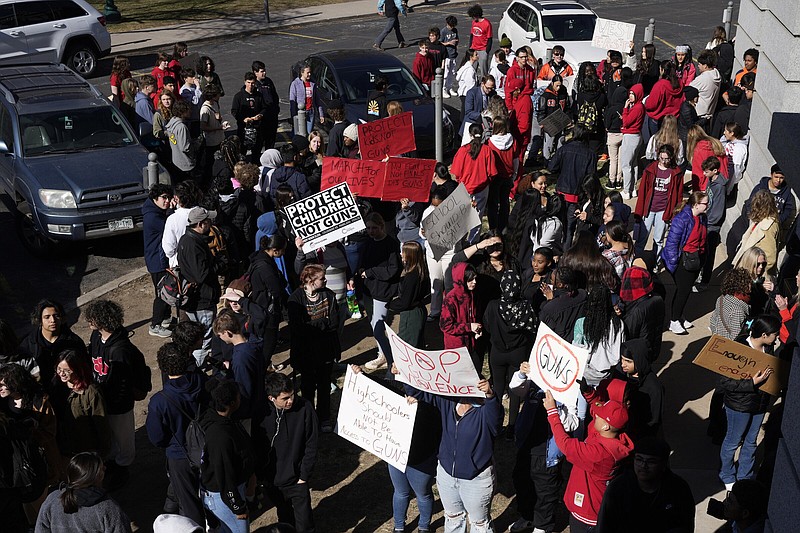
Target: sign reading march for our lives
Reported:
[(365, 178), (450, 221), (325, 217), (408, 178), (376, 419), (448, 372), (613, 35), (557, 365), (387, 137)]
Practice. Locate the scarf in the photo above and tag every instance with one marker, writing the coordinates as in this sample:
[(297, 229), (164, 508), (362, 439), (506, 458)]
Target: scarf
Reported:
[(515, 311)]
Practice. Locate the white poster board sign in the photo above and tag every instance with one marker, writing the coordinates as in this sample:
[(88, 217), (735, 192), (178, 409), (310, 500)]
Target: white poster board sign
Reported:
[(557, 365), (448, 372), (613, 35), (325, 217), (450, 221), (376, 419)]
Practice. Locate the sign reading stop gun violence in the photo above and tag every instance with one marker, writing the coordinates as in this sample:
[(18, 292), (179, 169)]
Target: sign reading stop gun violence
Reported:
[(408, 178), (387, 136), (450, 221), (736, 361), (365, 178), (443, 372), (613, 35), (557, 365), (376, 419), (325, 217)]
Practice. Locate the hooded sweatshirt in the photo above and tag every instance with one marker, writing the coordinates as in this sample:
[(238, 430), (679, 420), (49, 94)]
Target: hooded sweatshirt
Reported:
[(153, 224), (707, 83), (114, 362), (180, 142), (96, 512), (784, 200), (664, 100), (294, 178), (633, 117), (502, 162), (293, 434), (167, 418), (646, 392), (144, 109), (612, 116), (458, 312)]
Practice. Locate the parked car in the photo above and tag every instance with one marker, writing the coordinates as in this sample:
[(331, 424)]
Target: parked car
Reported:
[(349, 75), (52, 31), (71, 167), (546, 23)]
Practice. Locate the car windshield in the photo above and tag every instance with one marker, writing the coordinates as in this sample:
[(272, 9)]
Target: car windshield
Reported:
[(359, 81), (568, 27), (73, 130)]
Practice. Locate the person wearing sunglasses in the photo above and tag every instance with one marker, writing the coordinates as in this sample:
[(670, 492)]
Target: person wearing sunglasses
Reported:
[(557, 66)]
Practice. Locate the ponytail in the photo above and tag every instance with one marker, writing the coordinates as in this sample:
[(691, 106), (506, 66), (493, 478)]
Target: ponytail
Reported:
[(83, 471), (476, 140)]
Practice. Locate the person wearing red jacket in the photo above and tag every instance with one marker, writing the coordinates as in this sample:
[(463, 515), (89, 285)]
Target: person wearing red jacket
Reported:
[(594, 461), (632, 120), (471, 166), (660, 191), (665, 98), (501, 173), (521, 70), (424, 65), (520, 109), (459, 318)]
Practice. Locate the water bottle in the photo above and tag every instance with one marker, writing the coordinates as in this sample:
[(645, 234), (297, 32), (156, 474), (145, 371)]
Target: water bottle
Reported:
[(352, 305)]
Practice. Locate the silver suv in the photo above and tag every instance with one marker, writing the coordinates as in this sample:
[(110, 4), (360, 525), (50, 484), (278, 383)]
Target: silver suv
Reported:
[(53, 31)]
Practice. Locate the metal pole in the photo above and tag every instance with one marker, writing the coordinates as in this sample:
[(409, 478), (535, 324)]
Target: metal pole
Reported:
[(266, 11), (301, 127), (727, 17), (438, 112), (650, 32), (151, 172)]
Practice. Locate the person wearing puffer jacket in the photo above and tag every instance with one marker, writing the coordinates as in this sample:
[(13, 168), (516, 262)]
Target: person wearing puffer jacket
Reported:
[(632, 119), (501, 173), (685, 246), (644, 309)]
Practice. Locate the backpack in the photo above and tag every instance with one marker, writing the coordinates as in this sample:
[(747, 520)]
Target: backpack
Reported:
[(195, 436), (172, 289), (28, 474), (587, 116), (537, 95), (142, 377)]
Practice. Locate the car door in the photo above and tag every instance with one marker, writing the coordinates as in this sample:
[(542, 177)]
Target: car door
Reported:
[(519, 13), (41, 30), (13, 41), (7, 159)]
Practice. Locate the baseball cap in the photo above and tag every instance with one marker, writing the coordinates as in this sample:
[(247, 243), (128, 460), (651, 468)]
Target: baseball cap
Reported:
[(232, 295), (612, 412), (199, 214)]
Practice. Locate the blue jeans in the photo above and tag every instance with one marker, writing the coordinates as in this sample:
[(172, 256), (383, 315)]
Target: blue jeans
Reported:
[(228, 521), (464, 499), (652, 222), (739, 425), (481, 199), (205, 317), (422, 484)]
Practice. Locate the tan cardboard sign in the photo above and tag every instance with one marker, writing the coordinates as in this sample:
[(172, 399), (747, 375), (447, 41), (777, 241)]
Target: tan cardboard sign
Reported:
[(734, 360)]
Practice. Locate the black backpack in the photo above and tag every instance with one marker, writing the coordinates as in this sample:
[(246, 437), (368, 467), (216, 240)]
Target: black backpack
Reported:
[(195, 436), (173, 289), (28, 467)]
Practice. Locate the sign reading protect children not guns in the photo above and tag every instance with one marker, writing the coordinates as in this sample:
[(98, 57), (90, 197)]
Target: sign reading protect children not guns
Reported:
[(557, 365), (387, 137), (736, 361), (325, 217)]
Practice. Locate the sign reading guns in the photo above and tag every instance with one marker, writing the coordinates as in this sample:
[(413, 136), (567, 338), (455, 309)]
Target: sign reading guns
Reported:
[(557, 365), (736, 361)]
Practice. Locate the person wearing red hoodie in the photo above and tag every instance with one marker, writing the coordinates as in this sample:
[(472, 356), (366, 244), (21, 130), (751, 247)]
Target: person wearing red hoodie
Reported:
[(594, 461), (424, 65), (501, 173), (522, 71), (458, 320), (471, 166), (520, 109), (632, 120), (665, 99)]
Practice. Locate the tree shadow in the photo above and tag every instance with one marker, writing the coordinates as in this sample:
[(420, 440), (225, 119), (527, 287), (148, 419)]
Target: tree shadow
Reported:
[(371, 485)]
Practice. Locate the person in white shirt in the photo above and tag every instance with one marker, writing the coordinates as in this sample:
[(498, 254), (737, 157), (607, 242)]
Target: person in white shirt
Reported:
[(707, 84), (186, 196)]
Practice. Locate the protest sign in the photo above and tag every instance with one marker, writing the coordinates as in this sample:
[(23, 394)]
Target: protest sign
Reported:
[(408, 178), (450, 221), (376, 419), (444, 372), (736, 361), (387, 136), (555, 122), (568, 82), (325, 217), (613, 35), (557, 365), (365, 178)]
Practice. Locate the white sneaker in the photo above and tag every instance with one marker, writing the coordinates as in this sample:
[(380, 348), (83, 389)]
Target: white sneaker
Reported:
[(625, 195), (686, 324), (634, 194), (675, 327), (445, 94), (453, 93), (520, 525), (375, 364), (729, 486)]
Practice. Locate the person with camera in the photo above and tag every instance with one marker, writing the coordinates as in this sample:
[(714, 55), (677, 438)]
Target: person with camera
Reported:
[(745, 507)]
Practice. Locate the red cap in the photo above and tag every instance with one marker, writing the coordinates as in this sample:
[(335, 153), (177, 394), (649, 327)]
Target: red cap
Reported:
[(514, 84), (612, 412)]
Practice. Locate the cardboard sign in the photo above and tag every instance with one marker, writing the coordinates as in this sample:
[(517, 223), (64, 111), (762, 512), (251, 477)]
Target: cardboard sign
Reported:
[(734, 360), (450, 221), (408, 178), (443, 372), (365, 178), (555, 122), (613, 35), (557, 365), (376, 419), (387, 136), (325, 217)]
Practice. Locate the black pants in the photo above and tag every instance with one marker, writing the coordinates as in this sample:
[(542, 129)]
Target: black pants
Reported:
[(572, 222), (293, 504), (713, 240), (497, 204), (185, 484), (503, 366), (576, 526), (161, 310), (270, 343), (269, 132), (316, 380), (538, 489), (786, 283), (683, 288)]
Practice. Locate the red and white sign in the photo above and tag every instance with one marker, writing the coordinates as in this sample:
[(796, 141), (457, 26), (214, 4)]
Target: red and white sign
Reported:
[(388, 136), (557, 365)]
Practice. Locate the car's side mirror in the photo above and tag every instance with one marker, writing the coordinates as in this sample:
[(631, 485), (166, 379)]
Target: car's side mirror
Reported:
[(4, 148), (532, 35)]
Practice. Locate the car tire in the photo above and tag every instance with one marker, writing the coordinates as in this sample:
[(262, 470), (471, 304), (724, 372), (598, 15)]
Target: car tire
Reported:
[(32, 238), (82, 58)]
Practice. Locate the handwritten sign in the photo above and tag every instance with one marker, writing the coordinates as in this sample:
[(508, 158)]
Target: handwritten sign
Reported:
[(365, 178), (613, 35), (734, 360), (376, 419), (408, 178), (450, 221), (557, 365), (443, 372), (387, 136), (325, 217)]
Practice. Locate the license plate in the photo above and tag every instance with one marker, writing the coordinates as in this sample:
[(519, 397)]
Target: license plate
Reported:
[(123, 223)]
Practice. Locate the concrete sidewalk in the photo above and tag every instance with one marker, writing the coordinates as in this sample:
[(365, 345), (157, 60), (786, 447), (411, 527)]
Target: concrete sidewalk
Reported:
[(165, 36)]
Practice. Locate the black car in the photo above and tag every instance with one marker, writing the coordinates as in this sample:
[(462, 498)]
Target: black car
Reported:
[(349, 75)]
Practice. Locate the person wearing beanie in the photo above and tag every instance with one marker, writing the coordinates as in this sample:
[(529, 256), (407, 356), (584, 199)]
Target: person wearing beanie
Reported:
[(350, 148), (505, 46), (643, 309), (684, 66), (173, 523), (594, 461)]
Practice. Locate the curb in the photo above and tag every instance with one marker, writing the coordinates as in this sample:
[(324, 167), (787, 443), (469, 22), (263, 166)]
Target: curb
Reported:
[(102, 290)]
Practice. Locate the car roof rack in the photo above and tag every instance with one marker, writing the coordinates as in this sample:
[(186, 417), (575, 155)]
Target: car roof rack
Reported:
[(18, 80), (543, 5)]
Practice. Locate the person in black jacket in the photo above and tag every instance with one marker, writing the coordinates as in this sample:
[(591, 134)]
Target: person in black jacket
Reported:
[(592, 94), (227, 473), (727, 113), (688, 115), (291, 428), (415, 286), (155, 211), (269, 288), (643, 310), (49, 337), (198, 267), (336, 135), (272, 105), (746, 404), (248, 108), (314, 320), (646, 391), (565, 303), (123, 376)]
